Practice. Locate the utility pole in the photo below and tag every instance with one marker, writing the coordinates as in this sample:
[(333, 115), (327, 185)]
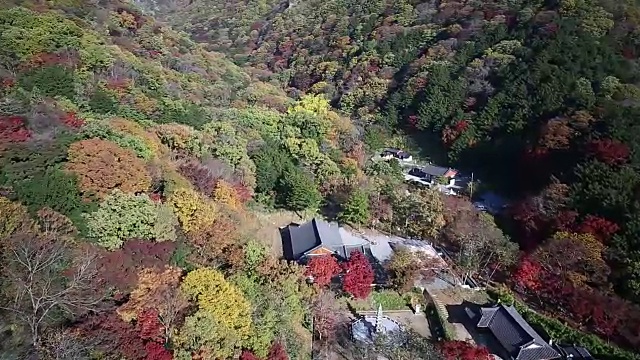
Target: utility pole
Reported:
[(471, 186)]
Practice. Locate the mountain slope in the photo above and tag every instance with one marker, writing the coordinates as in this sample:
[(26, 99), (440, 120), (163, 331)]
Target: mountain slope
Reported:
[(128, 154), (539, 99)]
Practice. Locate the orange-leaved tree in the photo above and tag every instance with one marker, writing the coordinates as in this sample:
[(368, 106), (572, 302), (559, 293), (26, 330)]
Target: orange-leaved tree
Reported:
[(225, 193), (102, 166)]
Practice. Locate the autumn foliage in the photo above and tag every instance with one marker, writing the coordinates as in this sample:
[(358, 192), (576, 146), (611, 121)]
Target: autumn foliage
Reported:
[(462, 350), (13, 129), (102, 166), (72, 120), (120, 268), (155, 290), (599, 227), (528, 274), (358, 276), (248, 355), (277, 352), (609, 151), (194, 212), (226, 194), (322, 269)]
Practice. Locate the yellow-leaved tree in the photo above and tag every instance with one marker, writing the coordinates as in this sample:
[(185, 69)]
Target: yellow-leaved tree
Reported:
[(12, 217), (194, 212), (222, 308), (226, 194)]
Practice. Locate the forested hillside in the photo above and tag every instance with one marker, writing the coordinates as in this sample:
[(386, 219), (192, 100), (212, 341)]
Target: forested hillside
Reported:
[(128, 154), (138, 165), (538, 98)]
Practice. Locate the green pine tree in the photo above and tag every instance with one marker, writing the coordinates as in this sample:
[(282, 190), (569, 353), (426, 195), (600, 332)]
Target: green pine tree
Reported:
[(356, 209), (298, 191)]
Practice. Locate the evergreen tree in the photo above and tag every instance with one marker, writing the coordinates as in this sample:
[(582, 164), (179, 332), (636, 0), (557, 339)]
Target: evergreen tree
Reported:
[(356, 209), (297, 190)]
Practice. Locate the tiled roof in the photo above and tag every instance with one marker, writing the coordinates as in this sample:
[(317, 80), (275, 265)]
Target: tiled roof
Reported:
[(434, 170), (297, 240), (575, 352), (515, 335)]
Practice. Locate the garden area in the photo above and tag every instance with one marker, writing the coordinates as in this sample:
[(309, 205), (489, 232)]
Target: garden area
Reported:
[(390, 300)]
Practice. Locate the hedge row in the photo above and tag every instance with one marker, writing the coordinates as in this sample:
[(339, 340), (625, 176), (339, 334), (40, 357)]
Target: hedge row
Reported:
[(561, 333)]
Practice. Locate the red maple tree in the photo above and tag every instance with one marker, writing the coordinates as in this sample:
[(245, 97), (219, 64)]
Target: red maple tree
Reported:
[(565, 221), (609, 151), (322, 269), (113, 335), (528, 274), (72, 120), (13, 129), (462, 350), (149, 325), (359, 276), (244, 193), (248, 355), (599, 227), (7, 83), (157, 351), (531, 224), (277, 352)]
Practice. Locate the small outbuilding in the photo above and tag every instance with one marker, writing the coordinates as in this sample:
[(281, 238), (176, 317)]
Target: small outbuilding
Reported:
[(517, 339), (393, 153)]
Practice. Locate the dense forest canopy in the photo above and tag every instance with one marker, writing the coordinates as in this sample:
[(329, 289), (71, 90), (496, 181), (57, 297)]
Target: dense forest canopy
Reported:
[(530, 95), (537, 98), (145, 144)]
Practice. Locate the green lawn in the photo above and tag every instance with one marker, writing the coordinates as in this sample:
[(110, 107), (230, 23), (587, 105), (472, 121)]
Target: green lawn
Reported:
[(389, 299)]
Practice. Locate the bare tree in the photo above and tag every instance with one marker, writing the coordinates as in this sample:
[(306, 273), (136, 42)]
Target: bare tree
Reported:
[(326, 315), (173, 304), (47, 280), (63, 345)]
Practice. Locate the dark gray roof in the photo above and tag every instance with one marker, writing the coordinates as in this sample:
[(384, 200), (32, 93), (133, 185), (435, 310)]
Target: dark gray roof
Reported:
[(575, 352), (434, 170), (345, 250), (515, 335), (299, 239), (328, 234), (396, 153)]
